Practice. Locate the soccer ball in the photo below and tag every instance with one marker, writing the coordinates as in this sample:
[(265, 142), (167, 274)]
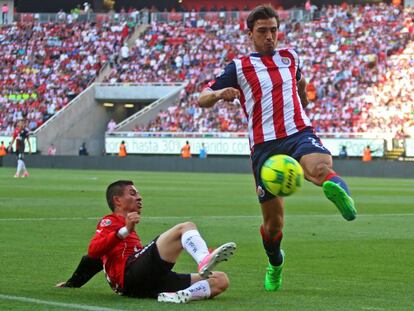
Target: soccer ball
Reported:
[(281, 175)]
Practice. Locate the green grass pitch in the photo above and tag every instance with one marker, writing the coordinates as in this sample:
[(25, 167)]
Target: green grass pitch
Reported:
[(47, 220)]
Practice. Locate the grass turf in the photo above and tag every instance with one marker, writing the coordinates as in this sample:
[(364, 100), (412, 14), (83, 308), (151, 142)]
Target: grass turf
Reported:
[(47, 220)]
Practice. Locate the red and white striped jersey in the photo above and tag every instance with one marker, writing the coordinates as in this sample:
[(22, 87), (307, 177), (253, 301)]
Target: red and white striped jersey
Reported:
[(269, 94)]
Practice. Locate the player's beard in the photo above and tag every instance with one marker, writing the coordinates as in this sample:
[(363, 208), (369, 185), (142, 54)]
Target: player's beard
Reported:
[(269, 48)]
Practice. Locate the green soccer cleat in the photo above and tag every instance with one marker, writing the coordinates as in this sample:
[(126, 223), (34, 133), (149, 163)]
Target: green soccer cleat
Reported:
[(273, 278), (341, 199)]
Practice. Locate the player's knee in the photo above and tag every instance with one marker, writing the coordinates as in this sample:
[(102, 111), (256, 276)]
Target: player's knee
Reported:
[(223, 281), (185, 226), (219, 282), (318, 173)]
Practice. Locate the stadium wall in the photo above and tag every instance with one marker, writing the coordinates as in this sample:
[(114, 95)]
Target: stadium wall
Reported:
[(352, 167), (82, 120)]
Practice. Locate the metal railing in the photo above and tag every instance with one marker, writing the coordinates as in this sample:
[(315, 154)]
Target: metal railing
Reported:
[(168, 17), (385, 136), (144, 17), (139, 18)]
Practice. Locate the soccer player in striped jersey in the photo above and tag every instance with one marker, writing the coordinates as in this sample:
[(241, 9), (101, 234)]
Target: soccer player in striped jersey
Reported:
[(20, 135), (270, 88)]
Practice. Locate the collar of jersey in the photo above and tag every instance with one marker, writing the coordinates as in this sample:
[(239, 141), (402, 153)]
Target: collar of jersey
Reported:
[(256, 54)]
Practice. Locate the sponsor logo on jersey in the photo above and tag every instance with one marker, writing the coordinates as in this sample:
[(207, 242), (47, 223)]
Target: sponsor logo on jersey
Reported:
[(286, 61), (260, 192), (105, 223)]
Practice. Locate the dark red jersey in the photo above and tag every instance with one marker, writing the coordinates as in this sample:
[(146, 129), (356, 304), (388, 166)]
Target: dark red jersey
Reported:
[(113, 251)]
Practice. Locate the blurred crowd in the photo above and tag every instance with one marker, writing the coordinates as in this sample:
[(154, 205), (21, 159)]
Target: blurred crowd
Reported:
[(357, 60), (350, 56), (45, 65)]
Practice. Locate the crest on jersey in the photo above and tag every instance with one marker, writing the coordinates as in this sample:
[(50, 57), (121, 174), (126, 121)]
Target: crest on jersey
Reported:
[(260, 192), (286, 61), (105, 223)]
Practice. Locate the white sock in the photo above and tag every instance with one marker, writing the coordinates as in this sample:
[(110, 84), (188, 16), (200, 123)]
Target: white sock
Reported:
[(199, 290), (20, 165), (194, 244), (24, 167)]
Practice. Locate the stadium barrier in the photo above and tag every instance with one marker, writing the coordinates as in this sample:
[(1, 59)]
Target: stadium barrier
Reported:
[(60, 17), (409, 147), (217, 164), (144, 17), (8, 138), (227, 144), (195, 17), (132, 92)]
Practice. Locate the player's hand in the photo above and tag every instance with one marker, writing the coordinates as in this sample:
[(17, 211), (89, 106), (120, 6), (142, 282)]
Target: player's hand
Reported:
[(131, 220), (228, 94)]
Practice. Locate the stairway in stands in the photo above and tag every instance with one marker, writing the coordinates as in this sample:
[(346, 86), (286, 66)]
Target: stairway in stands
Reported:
[(394, 154)]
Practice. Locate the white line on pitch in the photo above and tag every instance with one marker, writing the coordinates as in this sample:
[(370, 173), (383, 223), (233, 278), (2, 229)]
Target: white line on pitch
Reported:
[(55, 303), (199, 217)]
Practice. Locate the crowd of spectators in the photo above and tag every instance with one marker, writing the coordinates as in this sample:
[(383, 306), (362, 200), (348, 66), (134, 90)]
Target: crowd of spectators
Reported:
[(347, 54), (389, 104), (357, 60), (194, 51), (45, 65)]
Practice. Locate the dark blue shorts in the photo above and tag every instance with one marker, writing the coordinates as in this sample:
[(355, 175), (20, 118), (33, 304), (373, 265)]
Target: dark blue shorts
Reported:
[(296, 146)]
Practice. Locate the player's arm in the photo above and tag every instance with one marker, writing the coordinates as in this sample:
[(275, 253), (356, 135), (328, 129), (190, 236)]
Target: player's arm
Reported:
[(108, 236), (88, 267), (105, 239), (13, 138), (28, 142), (301, 83), (302, 91), (223, 87), (208, 97)]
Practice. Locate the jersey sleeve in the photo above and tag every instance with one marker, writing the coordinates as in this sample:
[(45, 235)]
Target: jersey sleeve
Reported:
[(298, 74), (105, 238), (228, 78), (86, 270), (299, 66)]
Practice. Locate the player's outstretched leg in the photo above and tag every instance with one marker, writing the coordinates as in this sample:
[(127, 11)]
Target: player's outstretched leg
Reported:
[(222, 253), (336, 190), (273, 278), (197, 291), (196, 247), (182, 296)]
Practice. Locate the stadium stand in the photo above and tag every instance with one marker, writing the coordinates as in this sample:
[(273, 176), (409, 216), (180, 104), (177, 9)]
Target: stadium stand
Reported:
[(357, 60), (347, 56), (45, 65)]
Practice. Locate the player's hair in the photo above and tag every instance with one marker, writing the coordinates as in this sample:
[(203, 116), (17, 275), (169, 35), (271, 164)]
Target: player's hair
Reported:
[(116, 188), (262, 12)]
